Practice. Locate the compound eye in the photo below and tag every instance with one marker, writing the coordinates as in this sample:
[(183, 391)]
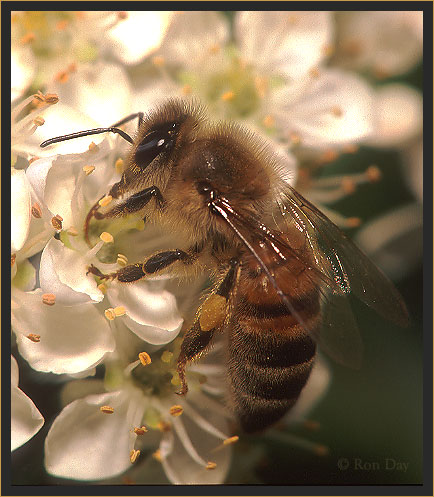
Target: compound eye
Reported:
[(154, 143)]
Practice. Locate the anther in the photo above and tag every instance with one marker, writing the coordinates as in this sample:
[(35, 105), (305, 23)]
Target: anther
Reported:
[(353, 222), (13, 258), (268, 121), (122, 260), (176, 410), (48, 299), (119, 166), (106, 237), (93, 147), (321, 450), (102, 288), (157, 455), (211, 465), (164, 426), (373, 174), (140, 431), (119, 311), (337, 111), (231, 440), (88, 169), (107, 409), (328, 156), (158, 61), (33, 337), (122, 15), (56, 222), (62, 77), (27, 38), (348, 185), (105, 200), (36, 210), (228, 96), (145, 358), (134, 454), (110, 314), (39, 121)]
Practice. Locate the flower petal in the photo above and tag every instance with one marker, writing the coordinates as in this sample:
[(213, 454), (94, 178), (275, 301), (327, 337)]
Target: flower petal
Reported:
[(151, 313), (23, 69), (285, 43), (86, 444), (21, 209), (72, 339)]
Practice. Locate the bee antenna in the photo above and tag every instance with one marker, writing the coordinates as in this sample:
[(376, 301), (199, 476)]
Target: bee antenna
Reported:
[(79, 134)]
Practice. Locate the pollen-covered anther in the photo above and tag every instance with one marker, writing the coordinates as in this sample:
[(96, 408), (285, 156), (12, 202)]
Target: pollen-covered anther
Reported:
[(145, 358), (102, 288), (39, 121), (110, 314), (33, 337), (187, 90), (13, 259), (268, 121), (157, 455), (106, 237), (231, 440), (93, 147), (176, 410), (140, 431), (48, 299), (107, 409), (119, 311), (227, 96), (211, 465), (27, 38), (164, 426), (348, 185), (134, 454), (119, 166), (373, 174), (88, 170), (48, 98), (105, 200), (158, 61), (56, 222), (36, 211), (62, 77), (337, 111), (122, 260)]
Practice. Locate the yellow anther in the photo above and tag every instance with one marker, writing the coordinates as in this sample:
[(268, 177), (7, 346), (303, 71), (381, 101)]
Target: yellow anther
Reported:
[(134, 454), (122, 260), (13, 258), (119, 311), (167, 356), (106, 237), (49, 298), (105, 200), (56, 222), (373, 174), (102, 288), (268, 121), (119, 166), (328, 156), (33, 337), (164, 426), (227, 96), (110, 314), (157, 455), (107, 409), (72, 231), (51, 98), (122, 15), (231, 440), (39, 121), (212, 312), (140, 431), (145, 358), (88, 169), (176, 410), (158, 60), (93, 147), (36, 210), (211, 465)]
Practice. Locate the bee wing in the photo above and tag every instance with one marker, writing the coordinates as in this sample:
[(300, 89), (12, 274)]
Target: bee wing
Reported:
[(340, 259)]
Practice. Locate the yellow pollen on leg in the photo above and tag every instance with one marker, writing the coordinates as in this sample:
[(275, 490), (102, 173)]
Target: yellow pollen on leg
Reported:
[(134, 454), (119, 166), (176, 410), (105, 200), (48, 298), (145, 358), (122, 260), (33, 337), (212, 312), (107, 409), (88, 169), (166, 356), (106, 237)]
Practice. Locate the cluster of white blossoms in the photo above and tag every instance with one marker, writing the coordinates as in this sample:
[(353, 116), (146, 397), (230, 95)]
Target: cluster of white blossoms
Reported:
[(283, 74)]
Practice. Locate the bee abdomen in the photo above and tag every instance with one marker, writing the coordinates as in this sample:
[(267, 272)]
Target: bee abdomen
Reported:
[(267, 373)]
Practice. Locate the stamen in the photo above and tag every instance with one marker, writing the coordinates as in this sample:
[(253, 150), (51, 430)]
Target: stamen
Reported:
[(39, 121), (48, 299), (203, 423), (140, 431), (348, 185), (228, 96), (88, 169), (122, 260), (93, 147), (110, 314), (119, 166), (13, 258), (295, 441), (210, 465), (36, 211), (122, 15), (164, 426), (145, 358), (176, 410), (119, 311), (56, 221), (105, 200), (34, 337), (62, 77), (106, 237), (337, 111), (134, 454), (231, 440), (186, 442), (373, 174), (328, 156), (157, 455), (107, 409)]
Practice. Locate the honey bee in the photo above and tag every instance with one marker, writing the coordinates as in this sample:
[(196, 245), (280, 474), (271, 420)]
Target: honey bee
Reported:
[(282, 270)]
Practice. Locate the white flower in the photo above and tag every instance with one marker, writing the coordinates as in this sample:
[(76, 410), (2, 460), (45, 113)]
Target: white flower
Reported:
[(26, 420)]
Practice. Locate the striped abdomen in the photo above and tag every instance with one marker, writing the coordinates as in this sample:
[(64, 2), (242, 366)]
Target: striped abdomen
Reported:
[(270, 355)]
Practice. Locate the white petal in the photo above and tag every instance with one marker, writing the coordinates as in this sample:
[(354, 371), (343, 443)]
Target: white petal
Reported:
[(23, 69), (73, 339), (286, 43), (138, 35), (26, 420), (21, 209), (332, 109), (150, 313), (86, 444), (63, 272), (399, 114), (100, 91), (414, 170), (25, 276), (394, 241), (192, 36)]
